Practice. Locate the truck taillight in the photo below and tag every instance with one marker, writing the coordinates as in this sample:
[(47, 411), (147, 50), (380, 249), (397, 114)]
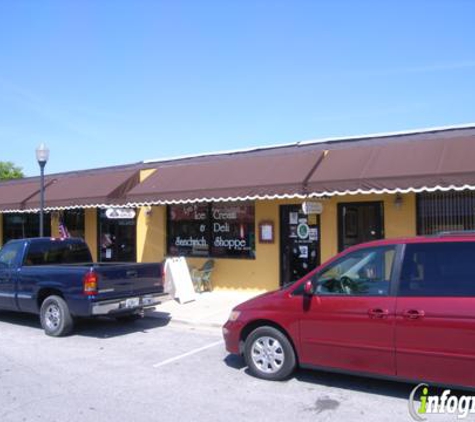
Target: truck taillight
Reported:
[(90, 284)]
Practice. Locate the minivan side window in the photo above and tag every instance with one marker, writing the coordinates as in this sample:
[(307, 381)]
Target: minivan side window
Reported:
[(438, 269), (365, 272)]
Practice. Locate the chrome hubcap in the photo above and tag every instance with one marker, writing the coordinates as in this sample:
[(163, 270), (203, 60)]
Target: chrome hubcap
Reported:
[(52, 317), (267, 354)]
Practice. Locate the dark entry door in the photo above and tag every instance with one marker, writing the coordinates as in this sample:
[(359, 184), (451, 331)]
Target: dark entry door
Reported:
[(359, 222), (117, 239), (299, 243)]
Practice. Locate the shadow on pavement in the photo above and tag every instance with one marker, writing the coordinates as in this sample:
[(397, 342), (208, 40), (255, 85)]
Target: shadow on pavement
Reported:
[(27, 320), (103, 328), (92, 327), (338, 380), (235, 361), (358, 383)]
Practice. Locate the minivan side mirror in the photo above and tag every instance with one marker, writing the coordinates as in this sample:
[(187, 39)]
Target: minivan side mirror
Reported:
[(308, 288)]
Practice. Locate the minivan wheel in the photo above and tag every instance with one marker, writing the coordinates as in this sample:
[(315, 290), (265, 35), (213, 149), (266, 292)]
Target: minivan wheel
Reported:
[(55, 317), (269, 354)]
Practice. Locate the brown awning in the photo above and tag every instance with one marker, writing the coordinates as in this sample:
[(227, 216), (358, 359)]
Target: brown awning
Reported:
[(87, 189), (425, 161), (262, 174), (418, 161), (398, 166), (14, 193)]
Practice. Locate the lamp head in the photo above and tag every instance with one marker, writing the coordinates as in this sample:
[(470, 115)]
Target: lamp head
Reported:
[(42, 154)]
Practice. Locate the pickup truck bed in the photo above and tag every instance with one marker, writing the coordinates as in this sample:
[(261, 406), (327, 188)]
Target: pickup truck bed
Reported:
[(32, 271)]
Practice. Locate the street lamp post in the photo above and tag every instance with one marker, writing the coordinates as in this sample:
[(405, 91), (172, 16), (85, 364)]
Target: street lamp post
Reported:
[(42, 155)]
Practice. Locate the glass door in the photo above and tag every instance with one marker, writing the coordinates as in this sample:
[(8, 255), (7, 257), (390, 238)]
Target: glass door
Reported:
[(299, 243), (117, 239)]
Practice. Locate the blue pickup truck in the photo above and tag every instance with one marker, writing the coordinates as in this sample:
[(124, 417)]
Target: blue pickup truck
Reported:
[(57, 279)]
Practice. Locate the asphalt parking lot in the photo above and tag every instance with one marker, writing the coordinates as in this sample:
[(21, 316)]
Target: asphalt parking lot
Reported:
[(155, 370)]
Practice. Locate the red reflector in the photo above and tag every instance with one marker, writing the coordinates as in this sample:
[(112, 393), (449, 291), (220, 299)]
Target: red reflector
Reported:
[(90, 284)]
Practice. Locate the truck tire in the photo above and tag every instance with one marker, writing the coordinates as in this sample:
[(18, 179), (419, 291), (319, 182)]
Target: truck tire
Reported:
[(269, 354), (55, 317)]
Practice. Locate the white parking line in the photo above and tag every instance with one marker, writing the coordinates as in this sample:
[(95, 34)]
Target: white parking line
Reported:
[(184, 355)]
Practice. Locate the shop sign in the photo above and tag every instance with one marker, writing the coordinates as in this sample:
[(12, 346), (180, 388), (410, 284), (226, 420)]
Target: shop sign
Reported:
[(312, 207), (120, 213)]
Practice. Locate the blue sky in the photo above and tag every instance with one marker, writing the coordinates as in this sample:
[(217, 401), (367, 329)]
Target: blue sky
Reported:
[(113, 82)]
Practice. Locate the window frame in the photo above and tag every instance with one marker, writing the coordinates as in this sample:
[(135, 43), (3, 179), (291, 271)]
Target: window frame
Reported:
[(208, 234)]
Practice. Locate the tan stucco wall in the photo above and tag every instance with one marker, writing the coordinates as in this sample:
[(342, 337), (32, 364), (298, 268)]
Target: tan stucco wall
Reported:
[(146, 173), (151, 234), (90, 226), (263, 273), (54, 224)]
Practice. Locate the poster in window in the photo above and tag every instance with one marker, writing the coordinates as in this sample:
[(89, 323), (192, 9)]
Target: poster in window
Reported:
[(232, 230), (188, 230), (293, 218)]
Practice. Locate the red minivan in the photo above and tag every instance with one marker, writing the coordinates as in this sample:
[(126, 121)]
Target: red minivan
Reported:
[(402, 309)]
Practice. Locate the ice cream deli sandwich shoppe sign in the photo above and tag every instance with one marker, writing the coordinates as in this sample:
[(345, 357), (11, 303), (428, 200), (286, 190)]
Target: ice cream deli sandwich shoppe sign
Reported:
[(218, 230)]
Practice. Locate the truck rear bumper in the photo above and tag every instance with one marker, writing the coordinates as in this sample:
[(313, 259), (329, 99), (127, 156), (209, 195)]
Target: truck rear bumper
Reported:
[(125, 305)]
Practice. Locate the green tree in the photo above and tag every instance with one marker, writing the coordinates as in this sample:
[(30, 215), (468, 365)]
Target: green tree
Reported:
[(8, 170)]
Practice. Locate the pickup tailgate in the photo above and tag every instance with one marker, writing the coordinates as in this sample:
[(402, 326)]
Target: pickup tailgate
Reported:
[(119, 280)]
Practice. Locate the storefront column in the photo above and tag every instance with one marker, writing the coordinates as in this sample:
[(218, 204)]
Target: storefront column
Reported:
[(329, 229), (90, 223), (55, 224), (151, 233)]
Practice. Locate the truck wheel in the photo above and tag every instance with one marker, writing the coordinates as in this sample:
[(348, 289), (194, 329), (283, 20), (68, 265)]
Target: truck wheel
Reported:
[(269, 354), (55, 317)]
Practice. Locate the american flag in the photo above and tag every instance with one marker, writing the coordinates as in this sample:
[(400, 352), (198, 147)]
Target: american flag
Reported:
[(63, 230)]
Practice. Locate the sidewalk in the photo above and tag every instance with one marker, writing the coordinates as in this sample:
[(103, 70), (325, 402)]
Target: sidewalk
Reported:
[(210, 309)]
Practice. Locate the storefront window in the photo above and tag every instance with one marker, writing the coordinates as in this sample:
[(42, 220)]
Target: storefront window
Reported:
[(232, 230), (445, 211), (24, 225), (219, 230), (188, 230), (73, 221)]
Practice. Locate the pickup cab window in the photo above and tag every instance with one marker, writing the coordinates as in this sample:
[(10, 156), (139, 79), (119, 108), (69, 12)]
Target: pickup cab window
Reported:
[(365, 272), (10, 254), (60, 252)]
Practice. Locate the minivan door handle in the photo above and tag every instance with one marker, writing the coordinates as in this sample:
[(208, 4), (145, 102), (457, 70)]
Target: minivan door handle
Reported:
[(378, 313), (413, 314)]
